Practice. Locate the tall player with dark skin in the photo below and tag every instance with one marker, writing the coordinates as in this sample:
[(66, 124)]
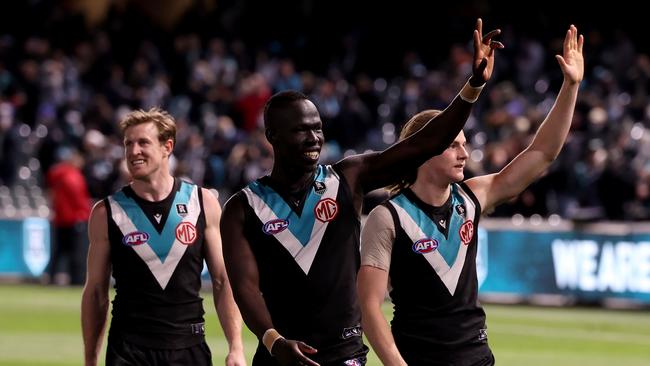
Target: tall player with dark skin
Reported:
[(294, 128)]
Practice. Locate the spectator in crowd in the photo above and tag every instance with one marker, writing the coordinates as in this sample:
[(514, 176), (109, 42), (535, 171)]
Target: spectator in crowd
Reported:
[(71, 208)]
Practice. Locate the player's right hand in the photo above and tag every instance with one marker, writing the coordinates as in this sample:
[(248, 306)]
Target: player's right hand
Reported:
[(292, 353)]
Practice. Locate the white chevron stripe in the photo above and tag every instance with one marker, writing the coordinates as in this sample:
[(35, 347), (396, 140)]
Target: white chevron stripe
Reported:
[(162, 271), (448, 275), (304, 256)]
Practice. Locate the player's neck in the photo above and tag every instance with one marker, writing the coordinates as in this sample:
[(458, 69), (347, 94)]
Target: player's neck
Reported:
[(432, 194), (292, 180), (153, 189)]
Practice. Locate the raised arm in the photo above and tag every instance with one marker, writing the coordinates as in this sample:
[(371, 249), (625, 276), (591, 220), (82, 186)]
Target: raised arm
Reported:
[(94, 299), (370, 171), (227, 310), (244, 278), (545, 147)]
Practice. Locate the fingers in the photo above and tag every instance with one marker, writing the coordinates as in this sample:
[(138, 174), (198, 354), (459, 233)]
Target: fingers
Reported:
[(561, 61), (581, 41), (573, 41), (481, 67), (479, 26), (496, 44), (566, 47), (477, 40), (488, 37), (303, 347)]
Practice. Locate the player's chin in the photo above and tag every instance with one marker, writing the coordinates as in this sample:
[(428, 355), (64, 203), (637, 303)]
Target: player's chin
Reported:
[(458, 177)]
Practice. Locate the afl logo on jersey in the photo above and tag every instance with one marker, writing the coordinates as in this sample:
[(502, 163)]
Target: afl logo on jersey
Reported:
[(326, 210), (424, 246), (135, 238), (186, 233), (275, 226), (466, 232)]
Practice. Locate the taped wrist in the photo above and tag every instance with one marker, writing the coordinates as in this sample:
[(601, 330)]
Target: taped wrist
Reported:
[(269, 338), (470, 93)]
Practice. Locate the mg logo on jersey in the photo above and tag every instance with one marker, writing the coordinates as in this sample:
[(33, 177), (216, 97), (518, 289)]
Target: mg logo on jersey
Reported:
[(425, 245), (135, 238), (186, 233), (275, 226), (326, 210), (466, 232)]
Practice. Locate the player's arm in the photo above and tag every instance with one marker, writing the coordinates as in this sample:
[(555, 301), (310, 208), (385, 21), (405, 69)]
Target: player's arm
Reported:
[(366, 172), (537, 157), (227, 310), (94, 298), (244, 278), (377, 238)]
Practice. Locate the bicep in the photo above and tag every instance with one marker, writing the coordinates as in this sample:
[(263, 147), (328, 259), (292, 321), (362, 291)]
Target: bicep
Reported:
[(213, 246), (494, 189), (98, 262), (377, 238), (372, 284), (239, 260)]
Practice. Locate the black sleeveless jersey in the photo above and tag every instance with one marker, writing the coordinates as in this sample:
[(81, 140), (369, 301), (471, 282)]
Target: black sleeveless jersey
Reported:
[(433, 277), (308, 258), (157, 259)]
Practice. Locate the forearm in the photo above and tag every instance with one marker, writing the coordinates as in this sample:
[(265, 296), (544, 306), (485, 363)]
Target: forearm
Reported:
[(553, 132), (94, 309), (389, 166), (380, 337), (254, 311), (229, 317), (441, 131)]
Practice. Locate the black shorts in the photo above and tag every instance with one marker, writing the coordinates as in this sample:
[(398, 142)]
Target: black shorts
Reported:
[(122, 353)]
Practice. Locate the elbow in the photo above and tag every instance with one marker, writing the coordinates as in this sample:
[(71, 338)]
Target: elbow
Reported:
[(218, 283)]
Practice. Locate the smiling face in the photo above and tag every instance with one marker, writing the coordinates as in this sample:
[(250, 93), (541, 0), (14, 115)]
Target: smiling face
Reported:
[(297, 139), (447, 167), (146, 156)]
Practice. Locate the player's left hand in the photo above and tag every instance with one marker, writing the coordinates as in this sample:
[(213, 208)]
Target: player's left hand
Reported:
[(572, 62), (484, 47)]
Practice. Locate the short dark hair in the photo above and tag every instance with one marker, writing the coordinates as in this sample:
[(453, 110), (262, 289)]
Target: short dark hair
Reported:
[(277, 103)]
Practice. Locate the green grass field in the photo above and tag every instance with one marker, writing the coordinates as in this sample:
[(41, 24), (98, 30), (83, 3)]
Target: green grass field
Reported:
[(40, 326)]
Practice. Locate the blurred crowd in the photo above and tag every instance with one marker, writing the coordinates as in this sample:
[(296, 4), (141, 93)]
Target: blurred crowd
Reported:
[(62, 93)]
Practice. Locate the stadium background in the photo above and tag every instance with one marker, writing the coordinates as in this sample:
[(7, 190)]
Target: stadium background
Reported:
[(70, 69)]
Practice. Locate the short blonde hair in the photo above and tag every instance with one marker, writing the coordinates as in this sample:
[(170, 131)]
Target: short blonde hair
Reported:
[(412, 126), (163, 121)]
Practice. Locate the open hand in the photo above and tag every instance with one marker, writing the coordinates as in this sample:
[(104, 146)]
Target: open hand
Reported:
[(572, 62)]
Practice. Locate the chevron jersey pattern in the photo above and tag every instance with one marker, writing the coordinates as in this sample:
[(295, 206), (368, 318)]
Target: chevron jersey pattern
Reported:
[(448, 258), (161, 251), (300, 235)]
